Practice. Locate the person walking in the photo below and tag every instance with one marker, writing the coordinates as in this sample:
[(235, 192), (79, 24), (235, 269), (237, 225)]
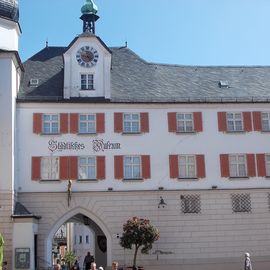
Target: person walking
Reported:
[(248, 265), (57, 266), (5, 266), (93, 266), (88, 259), (114, 265)]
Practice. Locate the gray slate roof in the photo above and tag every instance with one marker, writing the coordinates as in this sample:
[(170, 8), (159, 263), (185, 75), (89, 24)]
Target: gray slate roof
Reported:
[(135, 80), (20, 211)]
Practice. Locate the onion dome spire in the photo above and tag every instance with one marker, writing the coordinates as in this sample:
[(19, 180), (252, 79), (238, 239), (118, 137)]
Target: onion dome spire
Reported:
[(89, 17)]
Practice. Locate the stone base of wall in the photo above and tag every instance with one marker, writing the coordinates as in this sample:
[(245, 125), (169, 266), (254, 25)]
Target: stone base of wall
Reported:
[(6, 224), (215, 238)]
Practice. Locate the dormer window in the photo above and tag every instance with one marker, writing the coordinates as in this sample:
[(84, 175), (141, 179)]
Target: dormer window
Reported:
[(87, 82)]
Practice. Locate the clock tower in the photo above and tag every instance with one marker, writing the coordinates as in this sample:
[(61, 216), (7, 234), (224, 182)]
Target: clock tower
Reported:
[(87, 61)]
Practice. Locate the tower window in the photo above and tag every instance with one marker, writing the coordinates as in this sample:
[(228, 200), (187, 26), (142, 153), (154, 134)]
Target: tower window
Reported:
[(87, 82)]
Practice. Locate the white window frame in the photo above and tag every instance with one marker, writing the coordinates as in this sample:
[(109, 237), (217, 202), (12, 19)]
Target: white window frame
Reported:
[(90, 124), (50, 168), (234, 121), (184, 122), (132, 167), (87, 81), (265, 121), (131, 123), (187, 167), (50, 123), (267, 165), (85, 168), (238, 165)]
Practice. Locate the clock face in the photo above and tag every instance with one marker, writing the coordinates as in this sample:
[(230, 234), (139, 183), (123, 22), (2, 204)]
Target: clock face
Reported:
[(87, 56)]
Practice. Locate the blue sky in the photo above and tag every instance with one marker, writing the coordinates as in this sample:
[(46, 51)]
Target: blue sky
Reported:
[(185, 32)]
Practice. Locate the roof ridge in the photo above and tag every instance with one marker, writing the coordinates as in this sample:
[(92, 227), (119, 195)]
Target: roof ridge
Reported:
[(208, 66)]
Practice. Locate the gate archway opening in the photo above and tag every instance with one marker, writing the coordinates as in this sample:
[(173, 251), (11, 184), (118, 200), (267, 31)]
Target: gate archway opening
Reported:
[(79, 232)]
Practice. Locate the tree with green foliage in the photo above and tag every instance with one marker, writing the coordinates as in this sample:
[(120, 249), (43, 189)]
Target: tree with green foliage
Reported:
[(70, 259), (138, 232), (1, 250)]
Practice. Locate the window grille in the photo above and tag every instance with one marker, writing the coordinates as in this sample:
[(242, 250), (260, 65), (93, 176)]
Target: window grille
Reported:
[(241, 203), (190, 204)]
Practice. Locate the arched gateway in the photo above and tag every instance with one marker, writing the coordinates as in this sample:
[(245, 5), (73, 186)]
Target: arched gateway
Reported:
[(68, 216)]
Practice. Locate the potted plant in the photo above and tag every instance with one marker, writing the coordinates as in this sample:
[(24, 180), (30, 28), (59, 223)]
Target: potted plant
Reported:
[(138, 232), (70, 259)]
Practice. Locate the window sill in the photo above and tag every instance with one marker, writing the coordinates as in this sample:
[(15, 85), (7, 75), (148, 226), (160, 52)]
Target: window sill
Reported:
[(133, 179), (188, 179), (131, 133), (90, 90), (186, 132), (85, 134), (236, 131), (238, 177), (49, 180), (50, 134), (86, 180)]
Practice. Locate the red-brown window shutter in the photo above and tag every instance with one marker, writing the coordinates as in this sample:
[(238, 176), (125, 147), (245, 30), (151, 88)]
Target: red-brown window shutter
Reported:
[(224, 165), (73, 168), (247, 121), (118, 167), (172, 122), (36, 168), (144, 122), (37, 123), (261, 165), (174, 171), (118, 122), (257, 121), (64, 168), (200, 166), (74, 123), (146, 170), (63, 123), (197, 117), (251, 168), (222, 121), (101, 167), (100, 122)]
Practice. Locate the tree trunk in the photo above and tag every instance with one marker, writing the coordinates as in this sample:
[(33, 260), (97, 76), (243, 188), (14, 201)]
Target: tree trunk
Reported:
[(135, 256)]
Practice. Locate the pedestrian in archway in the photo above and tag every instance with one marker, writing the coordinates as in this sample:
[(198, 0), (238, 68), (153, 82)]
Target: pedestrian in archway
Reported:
[(114, 265), (5, 267), (93, 266), (57, 265), (88, 259)]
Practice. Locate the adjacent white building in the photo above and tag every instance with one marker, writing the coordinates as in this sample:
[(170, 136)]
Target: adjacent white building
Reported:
[(101, 135)]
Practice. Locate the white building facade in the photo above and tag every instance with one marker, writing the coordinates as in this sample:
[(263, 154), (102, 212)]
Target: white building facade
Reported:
[(102, 136)]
